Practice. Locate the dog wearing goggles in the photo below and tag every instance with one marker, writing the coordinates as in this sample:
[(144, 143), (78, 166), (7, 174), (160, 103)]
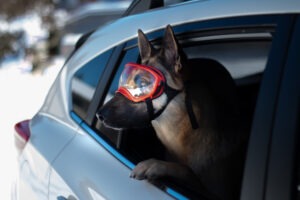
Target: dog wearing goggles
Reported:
[(195, 123)]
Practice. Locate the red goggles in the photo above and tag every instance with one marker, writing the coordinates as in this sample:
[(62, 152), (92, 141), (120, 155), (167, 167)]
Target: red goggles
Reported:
[(140, 82)]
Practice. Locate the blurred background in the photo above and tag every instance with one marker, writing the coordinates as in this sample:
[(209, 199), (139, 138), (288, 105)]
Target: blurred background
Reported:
[(36, 37), (39, 33)]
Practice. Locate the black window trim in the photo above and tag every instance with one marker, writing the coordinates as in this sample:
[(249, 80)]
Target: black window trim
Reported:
[(101, 87)]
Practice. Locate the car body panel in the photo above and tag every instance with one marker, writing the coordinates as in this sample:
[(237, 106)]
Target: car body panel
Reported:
[(101, 179), (42, 149), (44, 158), (57, 104)]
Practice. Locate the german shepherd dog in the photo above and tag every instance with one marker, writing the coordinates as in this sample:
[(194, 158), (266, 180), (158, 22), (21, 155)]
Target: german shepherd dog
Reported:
[(197, 123)]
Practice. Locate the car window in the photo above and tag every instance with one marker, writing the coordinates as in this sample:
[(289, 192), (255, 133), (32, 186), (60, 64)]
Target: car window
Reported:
[(85, 81), (242, 52)]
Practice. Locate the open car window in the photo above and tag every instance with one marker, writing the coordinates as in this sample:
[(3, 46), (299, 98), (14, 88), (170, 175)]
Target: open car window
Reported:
[(243, 52)]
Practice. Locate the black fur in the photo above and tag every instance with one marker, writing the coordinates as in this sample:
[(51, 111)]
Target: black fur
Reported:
[(120, 112)]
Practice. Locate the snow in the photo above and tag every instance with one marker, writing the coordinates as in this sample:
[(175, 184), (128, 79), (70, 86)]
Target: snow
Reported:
[(31, 24), (22, 96), (22, 93)]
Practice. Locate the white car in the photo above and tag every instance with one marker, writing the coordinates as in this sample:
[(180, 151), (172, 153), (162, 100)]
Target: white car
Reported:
[(63, 155)]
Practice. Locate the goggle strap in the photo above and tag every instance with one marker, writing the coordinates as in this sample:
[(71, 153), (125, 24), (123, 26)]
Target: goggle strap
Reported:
[(171, 93), (189, 108), (150, 108)]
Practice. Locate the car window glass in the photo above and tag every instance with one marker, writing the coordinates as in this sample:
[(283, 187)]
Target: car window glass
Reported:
[(85, 81)]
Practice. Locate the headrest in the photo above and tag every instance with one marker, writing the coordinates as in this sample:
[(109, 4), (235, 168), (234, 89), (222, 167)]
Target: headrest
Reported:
[(217, 78)]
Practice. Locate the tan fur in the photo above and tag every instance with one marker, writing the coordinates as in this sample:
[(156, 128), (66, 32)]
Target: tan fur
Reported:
[(174, 129), (200, 149)]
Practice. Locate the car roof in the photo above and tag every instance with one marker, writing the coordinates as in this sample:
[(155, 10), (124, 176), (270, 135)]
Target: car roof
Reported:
[(126, 28)]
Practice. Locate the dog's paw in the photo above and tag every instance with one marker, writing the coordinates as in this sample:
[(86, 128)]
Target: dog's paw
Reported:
[(150, 169)]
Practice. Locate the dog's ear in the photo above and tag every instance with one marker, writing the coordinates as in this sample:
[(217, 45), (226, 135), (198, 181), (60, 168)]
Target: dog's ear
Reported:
[(146, 49), (171, 50)]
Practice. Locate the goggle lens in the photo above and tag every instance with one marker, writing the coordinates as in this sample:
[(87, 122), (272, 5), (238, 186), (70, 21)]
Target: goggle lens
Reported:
[(139, 82)]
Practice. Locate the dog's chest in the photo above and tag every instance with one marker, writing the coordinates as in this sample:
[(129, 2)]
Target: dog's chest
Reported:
[(170, 127)]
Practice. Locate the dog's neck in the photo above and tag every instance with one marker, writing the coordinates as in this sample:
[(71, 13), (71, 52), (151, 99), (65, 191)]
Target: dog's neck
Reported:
[(173, 128), (165, 129)]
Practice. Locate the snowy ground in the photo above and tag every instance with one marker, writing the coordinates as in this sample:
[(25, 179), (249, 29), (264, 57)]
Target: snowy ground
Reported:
[(22, 94)]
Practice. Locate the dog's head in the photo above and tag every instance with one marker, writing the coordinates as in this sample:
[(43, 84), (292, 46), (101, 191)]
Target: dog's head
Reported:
[(161, 68)]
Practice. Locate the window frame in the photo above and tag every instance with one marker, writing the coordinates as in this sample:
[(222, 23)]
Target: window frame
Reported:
[(253, 187), (99, 94), (74, 93)]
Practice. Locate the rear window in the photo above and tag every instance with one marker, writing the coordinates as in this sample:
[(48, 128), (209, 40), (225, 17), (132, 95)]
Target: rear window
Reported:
[(85, 82)]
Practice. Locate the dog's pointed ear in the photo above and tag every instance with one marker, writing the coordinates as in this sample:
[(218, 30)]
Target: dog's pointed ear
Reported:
[(146, 49), (171, 49)]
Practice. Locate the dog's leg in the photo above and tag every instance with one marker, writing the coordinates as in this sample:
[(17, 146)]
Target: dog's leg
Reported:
[(153, 169)]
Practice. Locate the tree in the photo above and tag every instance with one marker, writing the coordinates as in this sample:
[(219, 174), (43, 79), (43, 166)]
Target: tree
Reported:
[(11, 10), (14, 8)]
